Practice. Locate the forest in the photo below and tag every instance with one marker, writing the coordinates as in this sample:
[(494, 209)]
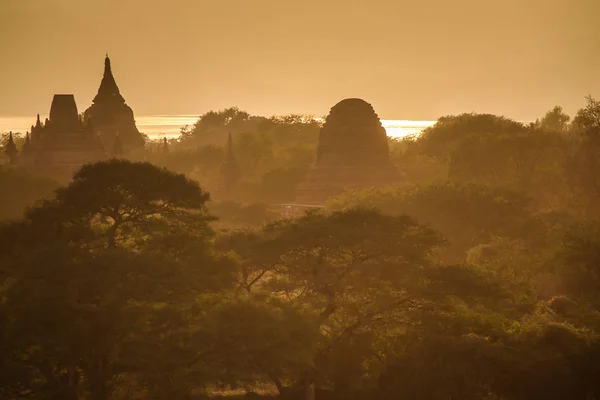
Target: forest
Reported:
[(475, 278)]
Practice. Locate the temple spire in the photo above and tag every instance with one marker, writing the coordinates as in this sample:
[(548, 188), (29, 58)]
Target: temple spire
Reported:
[(10, 149), (108, 90), (27, 144), (38, 124)]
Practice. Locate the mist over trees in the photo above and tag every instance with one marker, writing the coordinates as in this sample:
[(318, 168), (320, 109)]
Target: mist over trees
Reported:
[(476, 277)]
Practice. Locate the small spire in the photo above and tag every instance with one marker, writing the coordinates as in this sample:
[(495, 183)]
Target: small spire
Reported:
[(106, 65), (38, 124), (10, 149), (27, 144)]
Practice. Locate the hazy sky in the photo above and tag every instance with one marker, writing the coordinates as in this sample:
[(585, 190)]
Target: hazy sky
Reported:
[(412, 59)]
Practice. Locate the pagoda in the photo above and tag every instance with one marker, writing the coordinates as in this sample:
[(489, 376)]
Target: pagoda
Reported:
[(353, 153), (63, 143), (111, 116)]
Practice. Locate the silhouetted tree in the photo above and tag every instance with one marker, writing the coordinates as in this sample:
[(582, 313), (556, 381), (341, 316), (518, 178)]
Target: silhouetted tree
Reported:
[(555, 120), (121, 203), (466, 214), (230, 172), (584, 165), (321, 259), (115, 270)]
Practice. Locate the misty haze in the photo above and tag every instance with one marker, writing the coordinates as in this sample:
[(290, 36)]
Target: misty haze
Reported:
[(299, 200)]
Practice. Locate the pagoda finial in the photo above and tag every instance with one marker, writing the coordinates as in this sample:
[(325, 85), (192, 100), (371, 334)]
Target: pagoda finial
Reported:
[(37, 122), (106, 65)]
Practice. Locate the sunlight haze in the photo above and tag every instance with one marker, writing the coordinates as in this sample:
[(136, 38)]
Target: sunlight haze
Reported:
[(411, 60)]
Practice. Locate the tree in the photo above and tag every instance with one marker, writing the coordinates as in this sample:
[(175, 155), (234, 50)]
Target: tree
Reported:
[(450, 132), (123, 203), (587, 120), (350, 268), (105, 306), (466, 214), (554, 120), (230, 172), (584, 167), (94, 318), (233, 215)]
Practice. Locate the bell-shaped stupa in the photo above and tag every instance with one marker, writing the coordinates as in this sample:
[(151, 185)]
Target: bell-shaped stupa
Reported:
[(353, 153)]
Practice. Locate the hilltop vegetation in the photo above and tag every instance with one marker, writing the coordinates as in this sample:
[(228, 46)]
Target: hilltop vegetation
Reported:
[(476, 278)]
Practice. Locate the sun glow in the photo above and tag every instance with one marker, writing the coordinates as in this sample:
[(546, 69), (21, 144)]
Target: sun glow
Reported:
[(169, 126)]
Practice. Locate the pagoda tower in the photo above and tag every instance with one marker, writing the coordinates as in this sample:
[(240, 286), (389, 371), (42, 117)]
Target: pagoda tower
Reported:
[(63, 143), (112, 117), (10, 149), (353, 153)]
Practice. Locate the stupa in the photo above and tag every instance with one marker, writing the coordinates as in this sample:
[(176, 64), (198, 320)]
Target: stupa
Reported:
[(353, 153), (63, 143), (111, 116)]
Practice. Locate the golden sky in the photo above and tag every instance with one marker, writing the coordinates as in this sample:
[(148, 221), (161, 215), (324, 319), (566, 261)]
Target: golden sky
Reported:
[(412, 59)]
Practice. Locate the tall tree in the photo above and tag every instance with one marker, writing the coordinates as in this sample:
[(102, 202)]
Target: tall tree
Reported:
[(124, 203), (584, 166), (352, 269), (117, 263)]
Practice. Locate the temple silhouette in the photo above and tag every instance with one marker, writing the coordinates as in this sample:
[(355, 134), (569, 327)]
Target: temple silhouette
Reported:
[(62, 143), (353, 153), (65, 140), (111, 117)]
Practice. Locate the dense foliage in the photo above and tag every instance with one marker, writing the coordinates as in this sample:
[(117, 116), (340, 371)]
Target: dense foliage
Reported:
[(477, 278)]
